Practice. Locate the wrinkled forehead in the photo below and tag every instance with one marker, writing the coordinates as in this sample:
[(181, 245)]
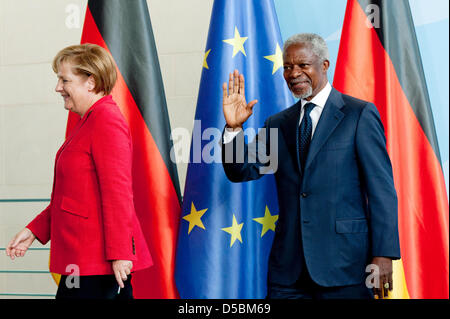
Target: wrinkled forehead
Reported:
[(299, 51)]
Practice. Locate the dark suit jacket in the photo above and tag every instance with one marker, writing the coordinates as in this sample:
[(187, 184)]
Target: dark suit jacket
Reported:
[(342, 209), (91, 218)]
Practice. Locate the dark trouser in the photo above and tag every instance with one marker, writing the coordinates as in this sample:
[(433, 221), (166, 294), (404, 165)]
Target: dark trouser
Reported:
[(306, 288), (93, 287)]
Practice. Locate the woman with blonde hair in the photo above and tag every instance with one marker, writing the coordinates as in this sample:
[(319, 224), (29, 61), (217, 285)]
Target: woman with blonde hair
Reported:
[(90, 221)]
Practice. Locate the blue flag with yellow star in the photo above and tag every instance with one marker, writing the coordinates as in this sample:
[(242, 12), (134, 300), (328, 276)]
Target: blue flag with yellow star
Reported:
[(226, 229)]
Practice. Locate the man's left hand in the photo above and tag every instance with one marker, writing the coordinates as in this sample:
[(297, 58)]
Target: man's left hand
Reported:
[(385, 272)]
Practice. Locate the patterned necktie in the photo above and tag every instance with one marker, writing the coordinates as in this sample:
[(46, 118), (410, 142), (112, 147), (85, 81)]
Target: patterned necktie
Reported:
[(305, 132)]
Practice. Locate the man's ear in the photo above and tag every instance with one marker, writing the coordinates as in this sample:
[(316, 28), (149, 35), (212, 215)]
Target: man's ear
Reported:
[(326, 65)]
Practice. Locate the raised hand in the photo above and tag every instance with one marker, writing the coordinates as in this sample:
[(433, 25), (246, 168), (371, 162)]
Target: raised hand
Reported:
[(235, 108), (19, 245)]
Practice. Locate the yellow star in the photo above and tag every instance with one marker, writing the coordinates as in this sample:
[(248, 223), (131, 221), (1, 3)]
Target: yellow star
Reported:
[(205, 63), (194, 218), (268, 221), (237, 42), (276, 58), (234, 230)]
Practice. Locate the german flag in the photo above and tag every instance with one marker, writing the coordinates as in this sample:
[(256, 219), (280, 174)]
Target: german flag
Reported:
[(379, 61), (124, 29)]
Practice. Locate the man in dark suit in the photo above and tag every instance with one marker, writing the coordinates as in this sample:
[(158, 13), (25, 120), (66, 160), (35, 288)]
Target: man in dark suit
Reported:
[(337, 201)]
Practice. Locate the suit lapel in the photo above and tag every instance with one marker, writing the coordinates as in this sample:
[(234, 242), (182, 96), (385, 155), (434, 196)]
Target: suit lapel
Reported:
[(72, 134), (289, 128), (80, 123), (329, 120)]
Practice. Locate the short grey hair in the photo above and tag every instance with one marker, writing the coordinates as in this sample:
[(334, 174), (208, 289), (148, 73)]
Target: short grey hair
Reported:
[(317, 43)]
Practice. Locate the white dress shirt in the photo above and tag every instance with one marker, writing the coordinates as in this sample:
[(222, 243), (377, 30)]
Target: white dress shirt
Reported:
[(319, 100)]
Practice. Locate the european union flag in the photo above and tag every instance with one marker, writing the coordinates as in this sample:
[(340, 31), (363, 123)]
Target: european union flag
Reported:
[(226, 230)]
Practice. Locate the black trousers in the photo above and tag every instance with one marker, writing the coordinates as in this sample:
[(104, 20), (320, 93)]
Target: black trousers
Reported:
[(306, 288), (93, 287)]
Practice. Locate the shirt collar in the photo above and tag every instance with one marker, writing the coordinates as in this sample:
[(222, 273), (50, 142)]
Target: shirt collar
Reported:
[(321, 98)]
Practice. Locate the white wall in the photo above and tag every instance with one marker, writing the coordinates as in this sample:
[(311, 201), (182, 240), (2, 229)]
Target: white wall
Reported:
[(32, 117)]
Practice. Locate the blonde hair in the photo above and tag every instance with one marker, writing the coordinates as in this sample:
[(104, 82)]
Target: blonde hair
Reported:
[(89, 59)]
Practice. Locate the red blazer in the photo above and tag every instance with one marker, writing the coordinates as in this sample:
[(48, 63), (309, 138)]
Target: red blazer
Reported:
[(91, 218)]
